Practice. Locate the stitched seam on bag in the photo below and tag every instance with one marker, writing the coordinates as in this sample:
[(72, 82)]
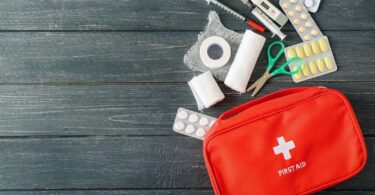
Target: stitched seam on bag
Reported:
[(329, 183)]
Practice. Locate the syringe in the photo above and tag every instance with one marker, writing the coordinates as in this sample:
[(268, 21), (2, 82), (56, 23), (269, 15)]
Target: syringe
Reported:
[(241, 17), (266, 21)]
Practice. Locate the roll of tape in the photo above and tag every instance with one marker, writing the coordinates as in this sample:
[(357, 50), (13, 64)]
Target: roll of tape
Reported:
[(215, 52)]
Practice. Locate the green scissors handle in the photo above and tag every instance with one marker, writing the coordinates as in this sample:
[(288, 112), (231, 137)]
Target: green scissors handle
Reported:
[(272, 60), (283, 68)]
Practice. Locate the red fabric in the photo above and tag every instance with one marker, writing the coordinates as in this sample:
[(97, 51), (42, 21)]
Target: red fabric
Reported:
[(320, 123)]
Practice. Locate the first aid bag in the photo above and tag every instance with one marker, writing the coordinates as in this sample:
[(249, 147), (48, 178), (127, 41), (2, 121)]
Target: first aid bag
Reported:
[(295, 141)]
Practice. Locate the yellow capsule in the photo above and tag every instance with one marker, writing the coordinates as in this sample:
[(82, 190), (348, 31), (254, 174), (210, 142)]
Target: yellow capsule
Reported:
[(323, 45), (321, 65), (305, 70), (328, 62), (313, 67), (300, 53), (297, 75), (315, 47), (291, 53), (307, 49)]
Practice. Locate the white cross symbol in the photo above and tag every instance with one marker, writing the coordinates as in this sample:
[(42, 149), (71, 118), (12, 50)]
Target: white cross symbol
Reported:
[(284, 148)]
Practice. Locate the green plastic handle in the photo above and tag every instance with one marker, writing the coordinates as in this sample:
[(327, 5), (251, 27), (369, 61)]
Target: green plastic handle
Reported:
[(272, 60), (283, 68)]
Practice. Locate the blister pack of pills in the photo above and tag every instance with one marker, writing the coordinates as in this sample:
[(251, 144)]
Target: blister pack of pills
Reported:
[(311, 5), (192, 124), (317, 59), (301, 19)]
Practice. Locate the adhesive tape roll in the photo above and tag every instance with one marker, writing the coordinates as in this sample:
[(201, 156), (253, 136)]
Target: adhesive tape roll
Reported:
[(215, 52)]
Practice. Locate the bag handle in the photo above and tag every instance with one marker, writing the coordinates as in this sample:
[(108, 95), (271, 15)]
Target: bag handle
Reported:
[(271, 96)]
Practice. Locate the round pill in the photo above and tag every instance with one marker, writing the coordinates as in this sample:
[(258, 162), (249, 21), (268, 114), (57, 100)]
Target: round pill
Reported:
[(296, 21), (286, 5), (193, 118), (203, 121), (179, 126), (314, 32), (182, 114), (302, 29), (293, 1), (304, 16), (307, 37), (309, 24), (291, 13), (299, 8), (200, 132), (189, 129)]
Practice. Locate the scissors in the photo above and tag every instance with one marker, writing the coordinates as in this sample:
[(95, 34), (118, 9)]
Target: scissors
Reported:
[(279, 71)]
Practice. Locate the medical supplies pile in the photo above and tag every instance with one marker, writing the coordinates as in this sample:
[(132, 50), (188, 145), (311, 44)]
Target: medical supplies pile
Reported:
[(231, 57)]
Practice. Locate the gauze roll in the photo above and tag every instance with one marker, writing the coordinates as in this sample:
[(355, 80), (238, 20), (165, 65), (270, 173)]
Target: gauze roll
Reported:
[(206, 91), (244, 61)]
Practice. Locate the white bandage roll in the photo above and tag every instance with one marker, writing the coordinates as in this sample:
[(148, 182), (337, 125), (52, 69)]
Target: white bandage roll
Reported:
[(206, 90), (208, 60), (244, 62)]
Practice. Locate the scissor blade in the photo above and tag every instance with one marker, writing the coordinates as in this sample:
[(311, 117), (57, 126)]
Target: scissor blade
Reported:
[(257, 81), (253, 85), (261, 84)]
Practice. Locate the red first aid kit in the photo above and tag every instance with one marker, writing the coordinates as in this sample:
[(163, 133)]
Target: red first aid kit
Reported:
[(295, 141)]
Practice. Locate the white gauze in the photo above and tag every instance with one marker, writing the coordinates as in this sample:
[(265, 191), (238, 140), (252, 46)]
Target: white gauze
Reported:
[(243, 65)]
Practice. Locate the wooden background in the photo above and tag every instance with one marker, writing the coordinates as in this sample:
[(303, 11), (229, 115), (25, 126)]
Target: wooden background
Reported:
[(89, 91)]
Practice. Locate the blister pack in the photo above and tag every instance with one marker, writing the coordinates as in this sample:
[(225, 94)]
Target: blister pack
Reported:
[(301, 19), (317, 59), (192, 123), (311, 5)]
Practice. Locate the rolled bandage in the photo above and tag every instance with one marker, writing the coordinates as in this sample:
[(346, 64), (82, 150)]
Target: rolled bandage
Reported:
[(206, 90), (244, 62)]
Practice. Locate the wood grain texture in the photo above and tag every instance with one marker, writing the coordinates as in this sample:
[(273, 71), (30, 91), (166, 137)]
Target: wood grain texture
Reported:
[(89, 91), (155, 192), (119, 163), (147, 109), (158, 15), (146, 57)]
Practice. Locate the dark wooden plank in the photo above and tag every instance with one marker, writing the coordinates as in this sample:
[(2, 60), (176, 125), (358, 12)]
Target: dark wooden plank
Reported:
[(130, 109), (158, 15), (124, 163), (145, 57), (158, 192)]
